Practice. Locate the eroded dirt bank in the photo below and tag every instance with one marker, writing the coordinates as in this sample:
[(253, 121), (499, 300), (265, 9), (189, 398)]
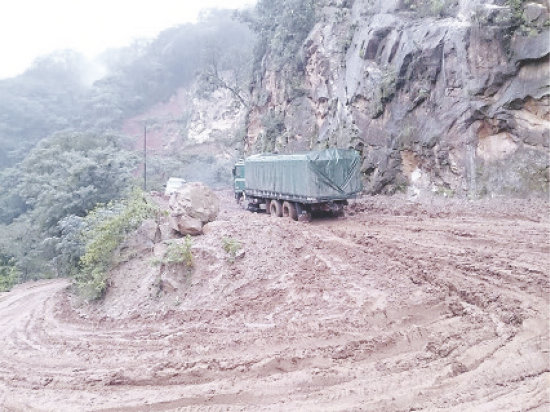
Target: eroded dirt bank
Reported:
[(398, 306)]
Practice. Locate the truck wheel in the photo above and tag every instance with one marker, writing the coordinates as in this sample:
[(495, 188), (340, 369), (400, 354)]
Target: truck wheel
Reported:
[(268, 206), (275, 208), (289, 210)]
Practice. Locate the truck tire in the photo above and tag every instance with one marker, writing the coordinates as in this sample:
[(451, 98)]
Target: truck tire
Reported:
[(275, 208), (289, 210), (268, 206)]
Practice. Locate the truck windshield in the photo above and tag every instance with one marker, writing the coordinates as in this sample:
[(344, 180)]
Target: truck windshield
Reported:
[(238, 171)]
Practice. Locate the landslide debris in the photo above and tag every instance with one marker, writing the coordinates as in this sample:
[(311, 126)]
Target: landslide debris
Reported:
[(399, 305)]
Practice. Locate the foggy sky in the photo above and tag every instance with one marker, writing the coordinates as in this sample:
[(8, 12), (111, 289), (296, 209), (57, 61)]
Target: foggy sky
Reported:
[(31, 28)]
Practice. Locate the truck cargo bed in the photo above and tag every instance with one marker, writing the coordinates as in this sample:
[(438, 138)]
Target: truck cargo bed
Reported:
[(311, 177)]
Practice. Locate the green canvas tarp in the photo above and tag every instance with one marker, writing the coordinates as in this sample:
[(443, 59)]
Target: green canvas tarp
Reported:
[(320, 175)]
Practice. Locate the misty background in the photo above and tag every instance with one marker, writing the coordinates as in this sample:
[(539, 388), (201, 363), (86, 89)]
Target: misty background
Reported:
[(67, 138), (72, 130), (65, 90)]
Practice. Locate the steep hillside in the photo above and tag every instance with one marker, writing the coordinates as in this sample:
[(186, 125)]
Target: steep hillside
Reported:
[(443, 96), (65, 91), (47, 98), (67, 133)]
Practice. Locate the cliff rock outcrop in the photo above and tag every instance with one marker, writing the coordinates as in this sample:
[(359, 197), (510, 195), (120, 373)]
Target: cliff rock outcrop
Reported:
[(192, 135), (442, 96)]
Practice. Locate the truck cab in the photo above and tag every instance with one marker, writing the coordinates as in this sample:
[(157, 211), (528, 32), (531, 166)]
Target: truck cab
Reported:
[(238, 179)]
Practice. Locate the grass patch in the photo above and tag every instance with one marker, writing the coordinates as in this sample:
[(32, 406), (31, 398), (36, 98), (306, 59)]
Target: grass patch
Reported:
[(231, 247), (179, 253)]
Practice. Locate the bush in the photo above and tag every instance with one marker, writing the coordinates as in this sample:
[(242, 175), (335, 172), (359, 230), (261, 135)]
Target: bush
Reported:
[(425, 8), (179, 253), (106, 228), (274, 127), (231, 247), (9, 275), (384, 93)]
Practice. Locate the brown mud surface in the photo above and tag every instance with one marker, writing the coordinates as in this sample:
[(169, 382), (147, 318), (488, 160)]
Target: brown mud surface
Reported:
[(425, 305)]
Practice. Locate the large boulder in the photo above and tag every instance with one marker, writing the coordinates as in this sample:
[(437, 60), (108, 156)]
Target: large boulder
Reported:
[(191, 207)]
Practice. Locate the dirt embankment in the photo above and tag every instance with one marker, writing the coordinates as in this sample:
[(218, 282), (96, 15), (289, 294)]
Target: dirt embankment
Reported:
[(398, 306)]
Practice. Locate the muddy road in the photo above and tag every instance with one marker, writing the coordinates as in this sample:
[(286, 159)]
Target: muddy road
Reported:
[(398, 306)]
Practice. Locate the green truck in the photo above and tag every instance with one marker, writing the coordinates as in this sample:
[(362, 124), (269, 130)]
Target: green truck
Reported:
[(297, 185)]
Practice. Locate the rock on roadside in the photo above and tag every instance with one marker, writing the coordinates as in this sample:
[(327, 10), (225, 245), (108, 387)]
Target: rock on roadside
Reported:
[(191, 207)]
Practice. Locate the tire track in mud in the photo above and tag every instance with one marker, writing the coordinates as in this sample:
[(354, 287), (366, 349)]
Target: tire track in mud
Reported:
[(397, 306), (504, 297)]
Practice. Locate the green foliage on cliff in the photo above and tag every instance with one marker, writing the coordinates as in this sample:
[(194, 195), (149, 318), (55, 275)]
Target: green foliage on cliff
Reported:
[(517, 8), (103, 231), (384, 93), (435, 8), (282, 26), (521, 23), (274, 127)]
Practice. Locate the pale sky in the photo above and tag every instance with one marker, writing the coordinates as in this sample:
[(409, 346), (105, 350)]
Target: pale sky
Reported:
[(31, 28)]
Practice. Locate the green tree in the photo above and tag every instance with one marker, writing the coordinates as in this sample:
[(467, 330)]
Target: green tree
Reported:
[(65, 175), (47, 98), (9, 275), (282, 26), (69, 173)]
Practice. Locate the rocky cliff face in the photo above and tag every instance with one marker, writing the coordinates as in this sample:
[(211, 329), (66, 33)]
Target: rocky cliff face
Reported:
[(443, 96), (193, 135)]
